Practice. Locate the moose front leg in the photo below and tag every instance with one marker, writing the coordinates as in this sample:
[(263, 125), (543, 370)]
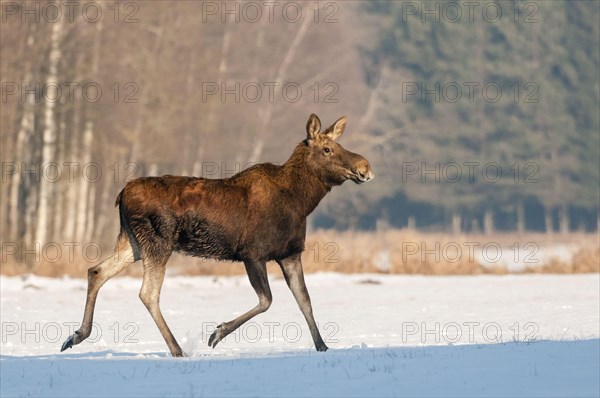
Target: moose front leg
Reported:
[(257, 273), (294, 277)]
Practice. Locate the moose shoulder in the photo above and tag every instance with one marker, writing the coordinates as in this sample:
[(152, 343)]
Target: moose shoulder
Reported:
[(258, 215)]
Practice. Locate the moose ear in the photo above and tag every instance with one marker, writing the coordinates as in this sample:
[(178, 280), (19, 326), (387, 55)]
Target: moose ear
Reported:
[(336, 129), (313, 126)]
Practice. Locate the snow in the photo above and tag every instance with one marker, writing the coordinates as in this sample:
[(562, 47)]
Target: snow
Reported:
[(519, 256), (514, 335)]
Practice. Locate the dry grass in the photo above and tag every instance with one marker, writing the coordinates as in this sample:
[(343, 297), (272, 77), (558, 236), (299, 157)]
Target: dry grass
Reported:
[(585, 260), (390, 252), (393, 252)]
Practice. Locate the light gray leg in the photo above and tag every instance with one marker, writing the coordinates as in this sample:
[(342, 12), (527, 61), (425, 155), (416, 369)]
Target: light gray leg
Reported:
[(294, 277)]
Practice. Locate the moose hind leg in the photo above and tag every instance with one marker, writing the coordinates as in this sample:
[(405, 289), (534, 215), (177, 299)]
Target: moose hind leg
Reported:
[(97, 276), (257, 273), (154, 275), (294, 277)]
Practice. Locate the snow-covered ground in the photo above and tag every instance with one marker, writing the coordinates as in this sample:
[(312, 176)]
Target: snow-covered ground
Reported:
[(517, 335), (519, 256)]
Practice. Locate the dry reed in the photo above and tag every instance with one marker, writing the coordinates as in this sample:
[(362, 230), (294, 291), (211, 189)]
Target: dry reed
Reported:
[(389, 252)]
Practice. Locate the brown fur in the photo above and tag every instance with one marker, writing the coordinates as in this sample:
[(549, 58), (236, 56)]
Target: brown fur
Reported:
[(258, 215)]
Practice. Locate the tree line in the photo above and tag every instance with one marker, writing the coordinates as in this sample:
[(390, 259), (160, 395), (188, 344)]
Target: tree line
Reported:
[(483, 124), (489, 112)]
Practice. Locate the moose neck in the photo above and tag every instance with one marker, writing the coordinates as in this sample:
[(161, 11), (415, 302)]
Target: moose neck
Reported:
[(308, 186)]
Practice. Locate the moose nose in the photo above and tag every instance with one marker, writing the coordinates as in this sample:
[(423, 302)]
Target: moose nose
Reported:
[(364, 171)]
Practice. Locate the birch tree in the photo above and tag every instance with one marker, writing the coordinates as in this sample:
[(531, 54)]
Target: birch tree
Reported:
[(49, 135), (24, 134), (86, 219)]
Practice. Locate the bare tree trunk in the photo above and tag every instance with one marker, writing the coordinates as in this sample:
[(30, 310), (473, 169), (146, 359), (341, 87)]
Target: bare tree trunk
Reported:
[(30, 189), (259, 42), (90, 218), (373, 102), (281, 74), (153, 169), (102, 214), (197, 170), (212, 120), (488, 222), (62, 184), (475, 226), (50, 134), (24, 135), (136, 150), (191, 120), (30, 206), (548, 220), (520, 217), (8, 147), (72, 197), (564, 221), (91, 209), (456, 223), (85, 185)]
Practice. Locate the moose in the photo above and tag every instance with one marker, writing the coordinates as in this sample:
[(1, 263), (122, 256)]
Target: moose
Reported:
[(257, 215)]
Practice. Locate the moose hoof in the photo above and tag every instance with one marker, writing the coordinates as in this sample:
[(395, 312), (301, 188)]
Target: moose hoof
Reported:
[(216, 336), (178, 354), (67, 344), (73, 339), (322, 347)]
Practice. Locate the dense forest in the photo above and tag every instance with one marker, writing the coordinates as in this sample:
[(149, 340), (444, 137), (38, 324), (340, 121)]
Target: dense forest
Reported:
[(503, 98), (474, 117)]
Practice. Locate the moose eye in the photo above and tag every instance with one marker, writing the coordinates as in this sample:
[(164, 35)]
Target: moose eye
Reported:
[(327, 151)]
